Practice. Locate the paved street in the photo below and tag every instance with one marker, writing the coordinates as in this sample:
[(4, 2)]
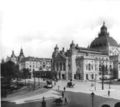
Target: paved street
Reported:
[(78, 95), (85, 87)]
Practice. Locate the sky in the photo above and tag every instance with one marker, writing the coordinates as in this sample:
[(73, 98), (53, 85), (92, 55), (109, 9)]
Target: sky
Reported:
[(38, 25)]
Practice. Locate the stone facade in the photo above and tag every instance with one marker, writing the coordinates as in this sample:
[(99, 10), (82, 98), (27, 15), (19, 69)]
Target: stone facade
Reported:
[(16, 59), (85, 63), (31, 63), (36, 64)]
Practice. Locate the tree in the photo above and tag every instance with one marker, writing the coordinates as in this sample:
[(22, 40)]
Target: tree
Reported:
[(25, 74), (9, 71)]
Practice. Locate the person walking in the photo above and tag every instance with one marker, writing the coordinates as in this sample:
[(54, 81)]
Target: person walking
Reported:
[(62, 94), (58, 87), (64, 89), (43, 102), (108, 92)]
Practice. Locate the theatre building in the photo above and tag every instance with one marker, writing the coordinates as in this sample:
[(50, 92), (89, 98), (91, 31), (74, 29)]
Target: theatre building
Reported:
[(85, 63)]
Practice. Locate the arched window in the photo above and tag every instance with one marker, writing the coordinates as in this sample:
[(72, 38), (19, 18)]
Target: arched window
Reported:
[(89, 67)]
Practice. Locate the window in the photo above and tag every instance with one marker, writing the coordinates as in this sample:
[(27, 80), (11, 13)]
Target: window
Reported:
[(92, 76), (64, 66), (89, 67), (60, 66)]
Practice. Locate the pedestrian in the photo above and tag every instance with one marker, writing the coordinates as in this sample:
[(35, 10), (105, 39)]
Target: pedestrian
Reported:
[(43, 102), (54, 83), (58, 87), (66, 102), (64, 89), (62, 94), (108, 92)]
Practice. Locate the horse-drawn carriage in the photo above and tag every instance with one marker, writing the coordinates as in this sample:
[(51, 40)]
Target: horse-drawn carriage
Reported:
[(48, 84), (70, 84)]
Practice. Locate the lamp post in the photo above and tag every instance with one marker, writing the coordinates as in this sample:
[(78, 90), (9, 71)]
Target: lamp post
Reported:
[(92, 96), (34, 78), (110, 78), (102, 69), (102, 77)]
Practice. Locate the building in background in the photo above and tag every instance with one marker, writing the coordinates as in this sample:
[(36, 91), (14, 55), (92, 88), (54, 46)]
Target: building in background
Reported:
[(30, 63), (36, 64), (85, 63), (14, 58)]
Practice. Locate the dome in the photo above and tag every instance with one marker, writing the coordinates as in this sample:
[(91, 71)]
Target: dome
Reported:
[(103, 40)]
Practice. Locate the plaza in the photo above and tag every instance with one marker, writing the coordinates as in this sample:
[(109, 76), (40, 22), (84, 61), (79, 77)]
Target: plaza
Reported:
[(77, 96)]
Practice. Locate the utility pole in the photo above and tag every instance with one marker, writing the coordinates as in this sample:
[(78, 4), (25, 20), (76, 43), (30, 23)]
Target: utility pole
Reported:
[(110, 78), (92, 96)]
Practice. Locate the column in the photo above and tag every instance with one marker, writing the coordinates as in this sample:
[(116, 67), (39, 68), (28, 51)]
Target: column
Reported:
[(73, 66), (66, 69)]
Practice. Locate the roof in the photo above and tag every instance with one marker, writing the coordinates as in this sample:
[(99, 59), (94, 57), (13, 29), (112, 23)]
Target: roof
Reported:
[(93, 51), (103, 39), (34, 59)]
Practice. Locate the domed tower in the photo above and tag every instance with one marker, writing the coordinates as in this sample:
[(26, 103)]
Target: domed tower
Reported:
[(21, 55), (103, 30), (103, 42)]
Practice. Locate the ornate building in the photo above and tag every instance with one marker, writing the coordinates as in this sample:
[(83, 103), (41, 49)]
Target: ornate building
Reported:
[(31, 63), (85, 63), (16, 59), (36, 64)]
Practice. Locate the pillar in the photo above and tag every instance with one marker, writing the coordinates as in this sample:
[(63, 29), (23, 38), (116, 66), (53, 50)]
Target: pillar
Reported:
[(73, 66), (66, 69)]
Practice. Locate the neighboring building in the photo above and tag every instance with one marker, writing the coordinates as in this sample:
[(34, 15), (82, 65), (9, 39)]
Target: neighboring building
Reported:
[(36, 64), (31, 63), (13, 58), (85, 63)]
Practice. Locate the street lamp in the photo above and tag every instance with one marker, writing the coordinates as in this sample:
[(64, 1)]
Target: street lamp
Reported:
[(92, 96), (110, 78), (34, 77)]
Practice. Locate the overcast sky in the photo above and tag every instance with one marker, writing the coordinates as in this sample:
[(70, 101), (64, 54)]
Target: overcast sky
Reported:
[(38, 25)]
